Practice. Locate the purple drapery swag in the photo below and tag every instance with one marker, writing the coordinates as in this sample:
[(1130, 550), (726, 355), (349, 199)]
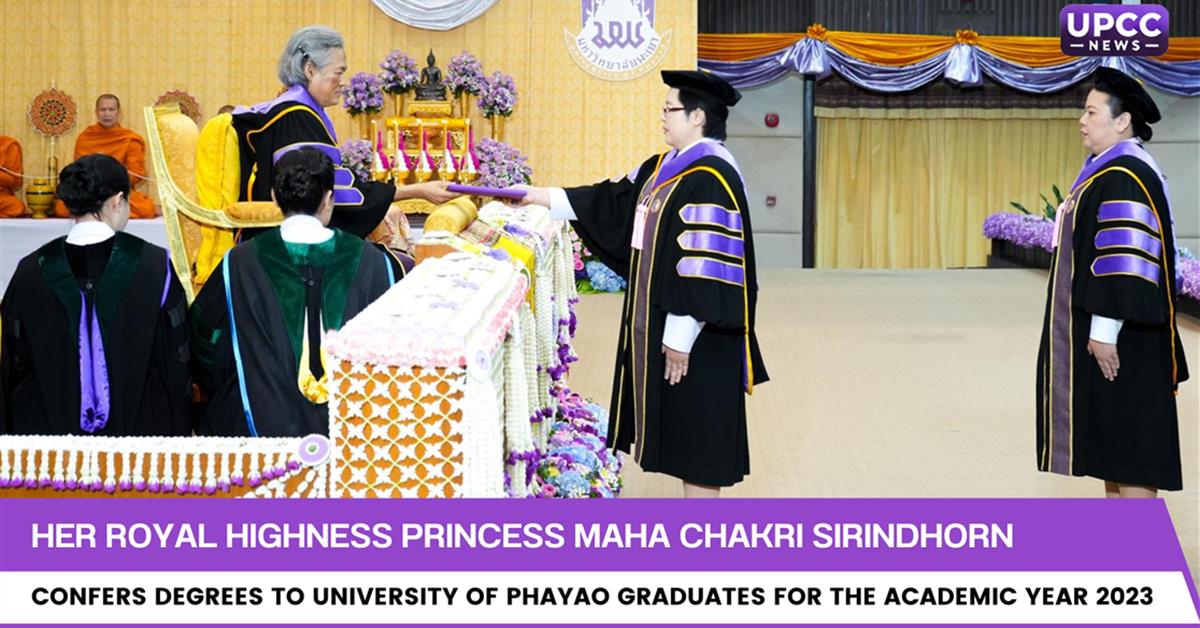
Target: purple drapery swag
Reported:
[(963, 64)]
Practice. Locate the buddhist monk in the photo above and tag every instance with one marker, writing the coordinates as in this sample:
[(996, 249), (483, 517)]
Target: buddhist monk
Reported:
[(107, 136), (10, 178)]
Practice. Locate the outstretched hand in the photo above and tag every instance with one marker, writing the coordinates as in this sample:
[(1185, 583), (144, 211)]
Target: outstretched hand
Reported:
[(533, 196)]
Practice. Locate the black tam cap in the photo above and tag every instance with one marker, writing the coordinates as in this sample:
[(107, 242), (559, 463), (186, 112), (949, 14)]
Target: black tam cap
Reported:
[(705, 82), (1129, 91)]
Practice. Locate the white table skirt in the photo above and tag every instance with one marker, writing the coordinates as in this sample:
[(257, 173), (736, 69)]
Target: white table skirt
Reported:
[(21, 236)]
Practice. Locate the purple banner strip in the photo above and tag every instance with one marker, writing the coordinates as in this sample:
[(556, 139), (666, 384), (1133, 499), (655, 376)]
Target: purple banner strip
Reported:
[(704, 214), (1122, 264), (1129, 238), (1041, 537), (705, 268), (1127, 210), (711, 242)]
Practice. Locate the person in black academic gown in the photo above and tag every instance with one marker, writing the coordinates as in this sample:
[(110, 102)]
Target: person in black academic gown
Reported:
[(94, 335), (678, 229), (1110, 360), (257, 323), (311, 68)]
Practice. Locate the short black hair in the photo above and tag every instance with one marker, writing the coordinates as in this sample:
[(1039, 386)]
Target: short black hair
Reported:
[(87, 182), (1117, 106), (302, 179), (715, 113)]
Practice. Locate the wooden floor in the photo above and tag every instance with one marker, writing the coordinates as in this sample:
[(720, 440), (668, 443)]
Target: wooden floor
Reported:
[(896, 384)]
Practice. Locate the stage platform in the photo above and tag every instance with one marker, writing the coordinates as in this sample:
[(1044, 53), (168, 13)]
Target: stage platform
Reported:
[(896, 384)]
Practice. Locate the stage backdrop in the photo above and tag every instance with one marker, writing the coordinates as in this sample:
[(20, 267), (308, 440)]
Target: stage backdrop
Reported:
[(574, 126)]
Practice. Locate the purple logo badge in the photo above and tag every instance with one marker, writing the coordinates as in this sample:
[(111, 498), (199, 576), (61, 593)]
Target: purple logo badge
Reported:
[(1113, 30), (617, 39)]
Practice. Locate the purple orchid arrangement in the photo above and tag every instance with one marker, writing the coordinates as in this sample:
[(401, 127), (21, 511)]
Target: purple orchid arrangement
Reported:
[(364, 94), (1029, 231), (1024, 230), (399, 73), (1189, 271), (356, 155), (465, 74), (499, 95), (501, 165)]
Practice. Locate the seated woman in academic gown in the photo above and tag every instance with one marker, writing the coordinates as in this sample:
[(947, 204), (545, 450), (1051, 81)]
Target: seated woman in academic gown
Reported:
[(94, 334), (257, 323)]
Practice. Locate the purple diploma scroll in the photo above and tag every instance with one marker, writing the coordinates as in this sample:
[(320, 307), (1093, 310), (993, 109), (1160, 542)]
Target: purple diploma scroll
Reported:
[(486, 191)]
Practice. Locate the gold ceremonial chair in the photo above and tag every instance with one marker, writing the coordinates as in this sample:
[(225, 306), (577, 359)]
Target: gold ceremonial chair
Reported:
[(196, 235)]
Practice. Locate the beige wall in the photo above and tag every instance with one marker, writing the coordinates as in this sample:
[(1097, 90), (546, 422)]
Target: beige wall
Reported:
[(1176, 148)]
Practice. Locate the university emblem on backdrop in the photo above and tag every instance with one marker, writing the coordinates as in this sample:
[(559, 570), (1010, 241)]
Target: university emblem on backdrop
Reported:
[(617, 40)]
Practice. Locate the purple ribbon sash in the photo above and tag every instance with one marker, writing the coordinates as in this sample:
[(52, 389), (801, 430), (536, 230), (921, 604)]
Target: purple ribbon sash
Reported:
[(297, 94), (676, 162), (93, 371)]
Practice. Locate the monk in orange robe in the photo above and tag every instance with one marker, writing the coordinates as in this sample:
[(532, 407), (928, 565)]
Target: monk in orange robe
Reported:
[(11, 169), (109, 137)]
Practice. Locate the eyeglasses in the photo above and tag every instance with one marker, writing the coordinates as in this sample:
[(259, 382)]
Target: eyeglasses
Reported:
[(667, 110)]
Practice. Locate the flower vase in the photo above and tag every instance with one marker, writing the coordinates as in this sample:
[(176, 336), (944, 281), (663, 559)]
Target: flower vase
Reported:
[(398, 104), (364, 126), (497, 127)]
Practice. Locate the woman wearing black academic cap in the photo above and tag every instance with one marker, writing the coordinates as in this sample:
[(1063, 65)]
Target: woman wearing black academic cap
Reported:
[(94, 340), (678, 229), (1111, 360)]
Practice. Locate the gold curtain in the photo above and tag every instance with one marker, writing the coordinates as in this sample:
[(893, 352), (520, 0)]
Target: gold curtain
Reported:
[(911, 188), (574, 127)]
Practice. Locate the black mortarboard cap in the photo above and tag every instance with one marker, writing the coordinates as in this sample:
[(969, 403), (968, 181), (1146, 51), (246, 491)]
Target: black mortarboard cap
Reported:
[(1130, 92), (705, 82)]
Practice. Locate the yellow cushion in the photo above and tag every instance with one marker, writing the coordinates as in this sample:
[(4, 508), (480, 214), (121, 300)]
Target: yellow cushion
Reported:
[(218, 169), (179, 134), (453, 217), (262, 213)]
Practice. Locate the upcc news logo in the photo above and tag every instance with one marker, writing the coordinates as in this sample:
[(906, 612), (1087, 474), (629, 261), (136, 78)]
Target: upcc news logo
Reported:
[(1113, 30)]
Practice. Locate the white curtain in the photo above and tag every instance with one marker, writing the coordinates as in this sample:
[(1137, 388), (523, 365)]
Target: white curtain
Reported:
[(434, 15)]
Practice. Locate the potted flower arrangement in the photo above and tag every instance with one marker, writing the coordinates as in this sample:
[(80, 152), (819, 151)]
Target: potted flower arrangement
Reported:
[(362, 98), (398, 75)]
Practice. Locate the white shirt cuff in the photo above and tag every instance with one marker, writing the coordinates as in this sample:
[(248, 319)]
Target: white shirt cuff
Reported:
[(681, 331), (1105, 329), (560, 205)]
